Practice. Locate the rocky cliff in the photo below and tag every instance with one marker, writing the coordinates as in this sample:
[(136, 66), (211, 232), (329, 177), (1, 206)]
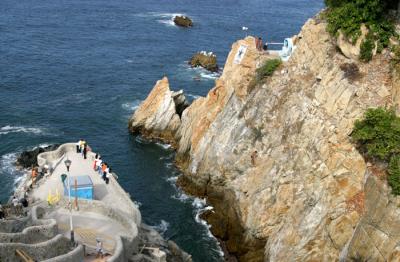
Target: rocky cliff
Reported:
[(276, 160)]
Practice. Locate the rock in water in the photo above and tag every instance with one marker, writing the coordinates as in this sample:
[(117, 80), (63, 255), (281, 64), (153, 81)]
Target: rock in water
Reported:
[(159, 116), (206, 60), (28, 159), (183, 21)]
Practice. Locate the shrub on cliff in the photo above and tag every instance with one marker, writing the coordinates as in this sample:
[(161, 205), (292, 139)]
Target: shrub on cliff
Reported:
[(378, 134), (268, 68), (348, 15), (367, 48), (394, 174)]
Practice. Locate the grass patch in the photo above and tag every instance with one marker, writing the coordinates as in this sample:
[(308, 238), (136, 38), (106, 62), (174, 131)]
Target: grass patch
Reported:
[(268, 68)]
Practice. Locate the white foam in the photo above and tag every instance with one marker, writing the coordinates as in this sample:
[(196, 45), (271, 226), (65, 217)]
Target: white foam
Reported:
[(20, 129), (7, 167), (162, 18), (162, 227), (164, 146), (131, 106), (193, 96)]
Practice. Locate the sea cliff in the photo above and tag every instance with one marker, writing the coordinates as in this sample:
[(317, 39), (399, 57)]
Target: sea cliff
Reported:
[(276, 160)]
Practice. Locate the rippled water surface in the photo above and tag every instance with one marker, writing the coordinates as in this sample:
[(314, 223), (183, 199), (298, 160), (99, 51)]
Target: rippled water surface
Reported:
[(71, 69)]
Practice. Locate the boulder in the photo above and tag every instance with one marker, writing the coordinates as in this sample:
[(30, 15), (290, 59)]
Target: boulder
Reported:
[(206, 60), (183, 21), (349, 49), (28, 158)]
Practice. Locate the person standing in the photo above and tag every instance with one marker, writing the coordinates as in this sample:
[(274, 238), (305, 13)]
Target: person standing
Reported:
[(98, 165), (99, 248), (78, 146), (84, 150), (33, 175)]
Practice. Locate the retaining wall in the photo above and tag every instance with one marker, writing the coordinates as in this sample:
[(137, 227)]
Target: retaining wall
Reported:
[(54, 247)]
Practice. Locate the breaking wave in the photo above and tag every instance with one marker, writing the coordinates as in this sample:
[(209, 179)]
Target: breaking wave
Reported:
[(131, 106), (199, 205), (21, 129), (162, 227), (162, 18)]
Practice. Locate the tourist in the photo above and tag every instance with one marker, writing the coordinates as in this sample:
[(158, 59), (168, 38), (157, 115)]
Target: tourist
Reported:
[(33, 175), (99, 164), (95, 162), (84, 150), (106, 175), (104, 169), (260, 44), (78, 146), (83, 144), (99, 248)]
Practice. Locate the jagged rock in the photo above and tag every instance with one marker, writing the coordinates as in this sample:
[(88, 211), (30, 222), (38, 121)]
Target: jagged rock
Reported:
[(303, 196), (206, 60), (183, 21), (158, 116), (349, 49), (28, 159)]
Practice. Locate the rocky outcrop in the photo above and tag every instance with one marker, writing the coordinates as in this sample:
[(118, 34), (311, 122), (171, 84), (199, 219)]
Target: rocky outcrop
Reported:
[(28, 159), (351, 50), (158, 117), (276, 160), (183, 21), (206, 60)]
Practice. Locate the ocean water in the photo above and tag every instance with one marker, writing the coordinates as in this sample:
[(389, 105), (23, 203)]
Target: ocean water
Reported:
[(78, 69)]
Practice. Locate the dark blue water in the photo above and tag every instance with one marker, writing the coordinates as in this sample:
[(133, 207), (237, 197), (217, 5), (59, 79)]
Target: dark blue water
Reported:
[(76, 68)]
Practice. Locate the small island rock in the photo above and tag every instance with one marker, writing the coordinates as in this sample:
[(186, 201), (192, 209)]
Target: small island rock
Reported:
[(206, 60), (183, 21)]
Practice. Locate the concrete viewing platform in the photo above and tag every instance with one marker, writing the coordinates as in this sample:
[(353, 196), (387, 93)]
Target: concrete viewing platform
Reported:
[(42, 231), (44, 235)]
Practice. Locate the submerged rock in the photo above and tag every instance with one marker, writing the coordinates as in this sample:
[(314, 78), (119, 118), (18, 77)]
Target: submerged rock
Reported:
[(206, 60), (183, 21), (28, 158)]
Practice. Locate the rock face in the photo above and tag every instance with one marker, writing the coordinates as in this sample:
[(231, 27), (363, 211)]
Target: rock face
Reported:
[(28, 159), (276, 161), (206, 60), (183, 21), (158, 117)]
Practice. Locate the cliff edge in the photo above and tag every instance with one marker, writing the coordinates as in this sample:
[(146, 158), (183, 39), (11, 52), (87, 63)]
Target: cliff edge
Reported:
[(276, 161)]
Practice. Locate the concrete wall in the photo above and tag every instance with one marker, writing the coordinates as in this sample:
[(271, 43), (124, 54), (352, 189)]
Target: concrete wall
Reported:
[(46, 158), (73, 256), (54, 247), (34, 230), (15, 225)]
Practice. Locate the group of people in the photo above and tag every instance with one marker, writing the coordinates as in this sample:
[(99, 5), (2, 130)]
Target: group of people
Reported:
[(259, 44), (82, 148), (102, 168)]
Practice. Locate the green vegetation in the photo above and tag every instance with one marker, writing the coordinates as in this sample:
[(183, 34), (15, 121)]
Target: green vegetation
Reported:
[(378, 136), (367, 48), (394, 174), (348, 16), (268, 68)]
